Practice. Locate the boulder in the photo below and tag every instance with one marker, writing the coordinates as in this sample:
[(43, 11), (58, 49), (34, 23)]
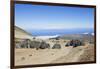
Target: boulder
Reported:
[(56, 46), (44, 45), (35, 44), (74, 43)]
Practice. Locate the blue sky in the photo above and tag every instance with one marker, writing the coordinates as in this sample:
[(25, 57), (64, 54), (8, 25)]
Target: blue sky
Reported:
[(40, 17)]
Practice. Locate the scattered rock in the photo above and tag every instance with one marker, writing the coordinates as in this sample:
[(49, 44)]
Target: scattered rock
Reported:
[(23, 58), (30, 55)]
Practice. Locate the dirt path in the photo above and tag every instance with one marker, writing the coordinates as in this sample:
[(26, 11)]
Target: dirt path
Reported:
[(72, 56)]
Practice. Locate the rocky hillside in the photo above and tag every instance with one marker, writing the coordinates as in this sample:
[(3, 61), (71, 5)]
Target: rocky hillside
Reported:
[(22, 34)]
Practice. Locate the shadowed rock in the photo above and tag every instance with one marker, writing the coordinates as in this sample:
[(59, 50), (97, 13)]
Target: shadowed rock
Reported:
[(74, 43), (39, 45), (17, 45), (25, 43), (44, 45), (35, 44), (32, 44), (56, 46)]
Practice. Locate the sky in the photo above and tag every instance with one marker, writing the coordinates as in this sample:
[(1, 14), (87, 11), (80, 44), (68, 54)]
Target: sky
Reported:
[(40, 17)]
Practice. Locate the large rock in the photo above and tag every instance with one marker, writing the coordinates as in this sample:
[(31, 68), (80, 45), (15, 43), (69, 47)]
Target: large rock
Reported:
[(35, 44), (44, 45), (25, 43), (17, 45), (39, 45), (56, 46), (74, 43)]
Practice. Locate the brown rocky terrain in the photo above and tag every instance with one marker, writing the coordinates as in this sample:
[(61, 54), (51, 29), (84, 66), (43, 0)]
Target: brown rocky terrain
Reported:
[(48, 56)]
